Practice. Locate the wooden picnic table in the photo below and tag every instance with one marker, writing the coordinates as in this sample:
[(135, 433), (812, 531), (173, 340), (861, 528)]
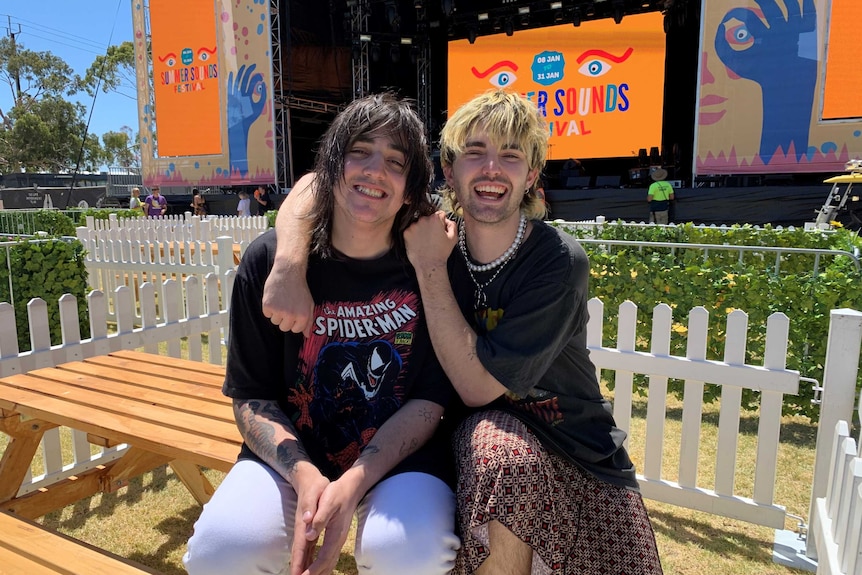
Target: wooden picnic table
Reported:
[(167, 410)]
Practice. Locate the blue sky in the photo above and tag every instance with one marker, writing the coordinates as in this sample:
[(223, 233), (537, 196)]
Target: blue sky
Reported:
[(76, 31)]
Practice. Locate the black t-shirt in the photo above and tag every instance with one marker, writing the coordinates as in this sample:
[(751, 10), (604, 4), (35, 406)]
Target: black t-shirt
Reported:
[(532, 338), (265, 206), (368, 354)]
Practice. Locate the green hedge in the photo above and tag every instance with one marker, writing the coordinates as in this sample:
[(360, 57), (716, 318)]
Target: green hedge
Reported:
[(52, 222), (722, 283), (46, 269)]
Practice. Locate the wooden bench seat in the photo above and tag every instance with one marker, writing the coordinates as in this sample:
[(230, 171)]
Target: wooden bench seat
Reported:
[(27, 548)]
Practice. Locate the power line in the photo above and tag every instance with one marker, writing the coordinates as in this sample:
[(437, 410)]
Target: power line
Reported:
[(55, 41), (93, 105), (67, 35)]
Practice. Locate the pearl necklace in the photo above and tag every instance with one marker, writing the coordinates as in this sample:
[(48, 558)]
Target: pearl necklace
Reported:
[(462, 243), (499, 263)]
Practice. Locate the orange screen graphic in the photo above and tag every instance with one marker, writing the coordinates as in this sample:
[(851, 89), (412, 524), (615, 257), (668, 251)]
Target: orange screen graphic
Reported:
[(599, 85), (185, 77), (843, 78)]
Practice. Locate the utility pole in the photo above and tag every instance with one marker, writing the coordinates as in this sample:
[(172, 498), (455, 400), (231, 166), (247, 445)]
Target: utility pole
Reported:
[(15, 53)]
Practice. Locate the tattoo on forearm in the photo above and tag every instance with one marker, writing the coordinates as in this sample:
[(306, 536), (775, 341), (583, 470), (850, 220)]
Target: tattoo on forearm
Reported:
[(408, 447), (259, 423)]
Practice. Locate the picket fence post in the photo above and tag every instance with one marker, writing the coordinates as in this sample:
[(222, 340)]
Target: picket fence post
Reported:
[(838, 400)]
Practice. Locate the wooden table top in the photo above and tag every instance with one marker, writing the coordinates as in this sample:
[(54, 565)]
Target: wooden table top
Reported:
[(166, 406)]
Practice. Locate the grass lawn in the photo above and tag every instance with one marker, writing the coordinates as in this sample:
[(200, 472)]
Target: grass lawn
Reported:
[(150, 520)]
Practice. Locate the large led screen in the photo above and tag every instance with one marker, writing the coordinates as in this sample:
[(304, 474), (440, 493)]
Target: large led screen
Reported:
[(204, 79), (600, 85), (778, 91), (843, 78)]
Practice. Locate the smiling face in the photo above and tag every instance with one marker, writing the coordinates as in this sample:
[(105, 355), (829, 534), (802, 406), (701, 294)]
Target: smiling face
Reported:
[(371, 190), (489, 178)]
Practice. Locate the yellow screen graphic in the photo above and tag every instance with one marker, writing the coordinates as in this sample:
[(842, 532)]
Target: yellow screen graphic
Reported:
[(843, 76), (185, 77), (599, 85)]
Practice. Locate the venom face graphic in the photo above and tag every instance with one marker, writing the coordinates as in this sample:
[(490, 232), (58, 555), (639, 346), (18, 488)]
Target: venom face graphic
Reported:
[(368, 366)]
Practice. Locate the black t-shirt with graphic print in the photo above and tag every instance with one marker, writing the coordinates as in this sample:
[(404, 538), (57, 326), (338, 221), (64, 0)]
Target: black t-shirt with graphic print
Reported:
[(532, 339), (369, 353)]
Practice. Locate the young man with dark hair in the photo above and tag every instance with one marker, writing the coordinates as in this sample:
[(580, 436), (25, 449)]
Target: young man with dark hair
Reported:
[(341, 421)]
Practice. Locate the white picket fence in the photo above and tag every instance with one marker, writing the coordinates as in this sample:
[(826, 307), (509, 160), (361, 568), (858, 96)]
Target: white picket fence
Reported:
[(836, 523), (185, 227), (685, 489), (133, 251), (733, 374)]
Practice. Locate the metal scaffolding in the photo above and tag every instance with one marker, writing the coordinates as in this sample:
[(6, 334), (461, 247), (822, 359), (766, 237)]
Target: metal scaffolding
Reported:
[(281, 111), (423, 68), (359, 11)]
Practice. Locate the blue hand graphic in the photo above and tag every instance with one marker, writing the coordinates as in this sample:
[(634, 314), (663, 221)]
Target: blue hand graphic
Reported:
[(246, 98), (770, 57)]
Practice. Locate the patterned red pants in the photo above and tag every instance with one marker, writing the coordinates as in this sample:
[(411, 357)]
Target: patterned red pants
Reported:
[(575, 523)]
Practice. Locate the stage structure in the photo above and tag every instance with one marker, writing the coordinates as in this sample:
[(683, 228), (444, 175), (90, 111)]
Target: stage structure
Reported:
[(391, 30), (281, 113), (205, 92)]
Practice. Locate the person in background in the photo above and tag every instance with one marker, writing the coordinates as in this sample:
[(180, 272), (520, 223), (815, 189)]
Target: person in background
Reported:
[(343, 420), (263, 202), (155, 205), (199, 204), (135, 202), (659, 197), (545, 484), (243, 208)]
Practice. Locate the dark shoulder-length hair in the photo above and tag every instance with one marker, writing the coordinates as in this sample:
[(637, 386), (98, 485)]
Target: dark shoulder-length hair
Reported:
[(376, 115)]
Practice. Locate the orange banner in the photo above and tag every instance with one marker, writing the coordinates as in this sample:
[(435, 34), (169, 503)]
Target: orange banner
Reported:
[(600, 85), (843, 80), (186, 77)]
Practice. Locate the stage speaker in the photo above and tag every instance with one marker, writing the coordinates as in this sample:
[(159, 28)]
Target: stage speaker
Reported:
[(643, 158), (607, 181), (573, 182)]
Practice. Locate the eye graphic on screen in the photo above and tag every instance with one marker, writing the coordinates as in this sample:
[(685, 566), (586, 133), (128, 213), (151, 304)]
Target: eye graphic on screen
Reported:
[(595, 68), (205, 54), (595, 63), (501, 78), (169, 59), (737, 35)]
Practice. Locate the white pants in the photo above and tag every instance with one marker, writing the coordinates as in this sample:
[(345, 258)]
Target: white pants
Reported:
[(405, 525)]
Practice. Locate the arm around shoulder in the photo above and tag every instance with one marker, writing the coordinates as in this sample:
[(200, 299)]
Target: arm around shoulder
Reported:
[(286, 299)]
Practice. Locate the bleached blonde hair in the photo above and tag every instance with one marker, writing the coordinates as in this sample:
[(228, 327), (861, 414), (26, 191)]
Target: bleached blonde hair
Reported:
[(507, 118)]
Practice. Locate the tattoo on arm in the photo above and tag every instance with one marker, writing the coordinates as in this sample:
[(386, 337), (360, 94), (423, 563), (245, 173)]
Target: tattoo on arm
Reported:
[(408, 447), (426, 414), (260, 422)]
